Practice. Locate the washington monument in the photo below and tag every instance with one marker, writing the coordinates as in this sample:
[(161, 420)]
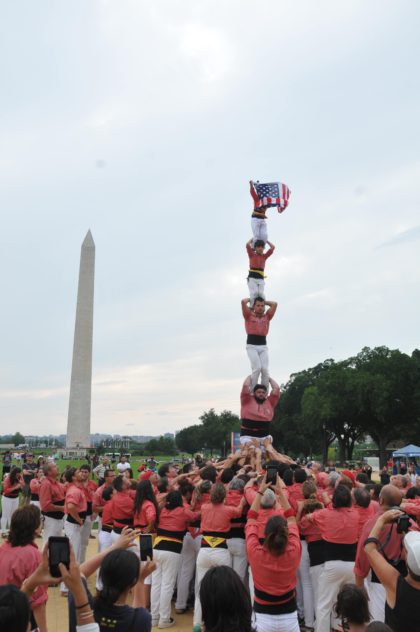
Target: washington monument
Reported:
[(78, 422)]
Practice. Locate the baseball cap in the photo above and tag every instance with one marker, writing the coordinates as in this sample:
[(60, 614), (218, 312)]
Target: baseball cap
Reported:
[(412, 546)]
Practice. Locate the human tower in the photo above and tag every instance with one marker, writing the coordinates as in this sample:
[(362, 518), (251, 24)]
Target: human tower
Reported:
[(257, 407)]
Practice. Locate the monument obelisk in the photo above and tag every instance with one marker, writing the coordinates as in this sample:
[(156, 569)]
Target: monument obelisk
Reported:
[(78, 422)]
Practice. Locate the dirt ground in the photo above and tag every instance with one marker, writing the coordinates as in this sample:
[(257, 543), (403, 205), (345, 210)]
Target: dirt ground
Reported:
[(57, 618)]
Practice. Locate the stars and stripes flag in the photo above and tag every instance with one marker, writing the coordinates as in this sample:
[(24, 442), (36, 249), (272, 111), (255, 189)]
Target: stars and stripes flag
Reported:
[(269, 194)]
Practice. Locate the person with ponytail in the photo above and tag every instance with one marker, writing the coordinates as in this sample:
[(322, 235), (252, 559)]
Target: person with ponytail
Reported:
[(172, 526), (274, 565), (146, 514)]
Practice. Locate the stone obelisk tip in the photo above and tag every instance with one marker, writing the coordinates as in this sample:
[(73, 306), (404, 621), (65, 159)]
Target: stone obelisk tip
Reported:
[(88, 241)]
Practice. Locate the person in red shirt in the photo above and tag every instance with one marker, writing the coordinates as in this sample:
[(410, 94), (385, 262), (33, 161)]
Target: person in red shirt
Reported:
[(236, 541), (13, 484), (121, 506), (173, 521), (51, 499), (34, 487), (75, 507), (391, 547), (257, 323), (257, 410), (364, 507), (257, 259), (339, 527), (216, 519), (89, 487), (274, 565), (20, 557)]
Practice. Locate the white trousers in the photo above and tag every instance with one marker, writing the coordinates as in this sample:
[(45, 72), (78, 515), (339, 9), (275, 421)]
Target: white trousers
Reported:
[(247, 439), (238, 558), (377, 598), (163, 583), (52, 527), (86, 530), (277, 622), (104, 541), (256, 288), (259, 228), (207, 558), (315, 572), (334, 574), (36, 503), (190, 549), (8, 507), (304, 591), (74, 534), (258, 356)]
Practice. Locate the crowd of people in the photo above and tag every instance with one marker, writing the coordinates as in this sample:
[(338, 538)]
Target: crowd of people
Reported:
[(307, 549)]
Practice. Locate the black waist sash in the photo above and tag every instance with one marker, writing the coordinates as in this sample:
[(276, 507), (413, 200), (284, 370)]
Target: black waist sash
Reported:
[(34, 496), (256, 273), (343, 552), (82, 515), (316, 551), (57, 515), (277, 604), (253, 428), (254, 339)]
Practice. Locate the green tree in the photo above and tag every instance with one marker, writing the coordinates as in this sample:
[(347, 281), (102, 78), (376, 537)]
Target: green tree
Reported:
[(17, 439), (190, 439)]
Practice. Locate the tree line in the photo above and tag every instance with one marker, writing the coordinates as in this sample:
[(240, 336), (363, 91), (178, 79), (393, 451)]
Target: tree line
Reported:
[(375, 393)]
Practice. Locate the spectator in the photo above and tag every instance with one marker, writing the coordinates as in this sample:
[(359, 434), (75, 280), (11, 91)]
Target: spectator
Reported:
[(14, 609), (123, 464), (225, 602), (402, 608), (352, 608), (19, 557)]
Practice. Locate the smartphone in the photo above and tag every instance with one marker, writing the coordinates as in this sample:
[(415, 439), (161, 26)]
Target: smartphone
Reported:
[(271, 475), (58, 551), (146, 547)]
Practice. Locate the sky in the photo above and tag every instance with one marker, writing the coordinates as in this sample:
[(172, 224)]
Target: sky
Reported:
[(144, 122)]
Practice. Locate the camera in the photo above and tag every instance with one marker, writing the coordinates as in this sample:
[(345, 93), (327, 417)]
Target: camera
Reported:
[(403, 523)]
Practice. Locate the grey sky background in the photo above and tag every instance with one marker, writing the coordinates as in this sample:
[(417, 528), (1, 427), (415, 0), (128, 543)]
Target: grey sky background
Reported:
[(144, 121)]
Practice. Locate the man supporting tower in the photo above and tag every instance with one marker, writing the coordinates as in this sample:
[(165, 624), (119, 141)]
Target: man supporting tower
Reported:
[(257, 323), (257, 410)]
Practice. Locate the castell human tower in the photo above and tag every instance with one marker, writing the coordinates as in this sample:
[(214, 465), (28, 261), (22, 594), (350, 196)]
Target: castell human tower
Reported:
[(78, 422)]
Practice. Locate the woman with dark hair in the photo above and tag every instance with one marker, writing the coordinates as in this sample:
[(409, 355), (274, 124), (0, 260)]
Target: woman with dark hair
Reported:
[(274, 565), (12, 486), (145, 508), (352, 608), (216, 519), (225, 602), (14, 609), (119, 573), (34, 487), (339, 528), (19, 557), (173, 521)]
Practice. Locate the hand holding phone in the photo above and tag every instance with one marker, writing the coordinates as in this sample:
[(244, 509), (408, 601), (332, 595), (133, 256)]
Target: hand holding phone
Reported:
[(146, 547)]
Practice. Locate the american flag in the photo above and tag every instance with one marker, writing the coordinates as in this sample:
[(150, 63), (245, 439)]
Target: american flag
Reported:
[(270, 194)]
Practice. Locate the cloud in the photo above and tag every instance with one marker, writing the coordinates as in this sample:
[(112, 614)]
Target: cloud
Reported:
[(405, 236)]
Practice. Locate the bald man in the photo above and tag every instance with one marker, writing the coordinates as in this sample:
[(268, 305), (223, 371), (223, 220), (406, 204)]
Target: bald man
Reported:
[(391, 547)]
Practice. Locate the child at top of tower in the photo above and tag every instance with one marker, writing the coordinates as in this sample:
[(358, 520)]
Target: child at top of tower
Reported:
[(257, 259)]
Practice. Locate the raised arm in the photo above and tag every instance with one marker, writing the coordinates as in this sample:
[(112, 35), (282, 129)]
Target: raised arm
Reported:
[(245, 309), (272, 305), (274, 386)]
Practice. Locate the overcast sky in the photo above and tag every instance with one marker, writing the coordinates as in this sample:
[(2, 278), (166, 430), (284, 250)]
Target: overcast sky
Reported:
[(144, 121)]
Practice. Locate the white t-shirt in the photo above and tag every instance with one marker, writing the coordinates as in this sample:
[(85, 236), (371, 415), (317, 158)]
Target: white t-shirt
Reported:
[(121, 467)]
